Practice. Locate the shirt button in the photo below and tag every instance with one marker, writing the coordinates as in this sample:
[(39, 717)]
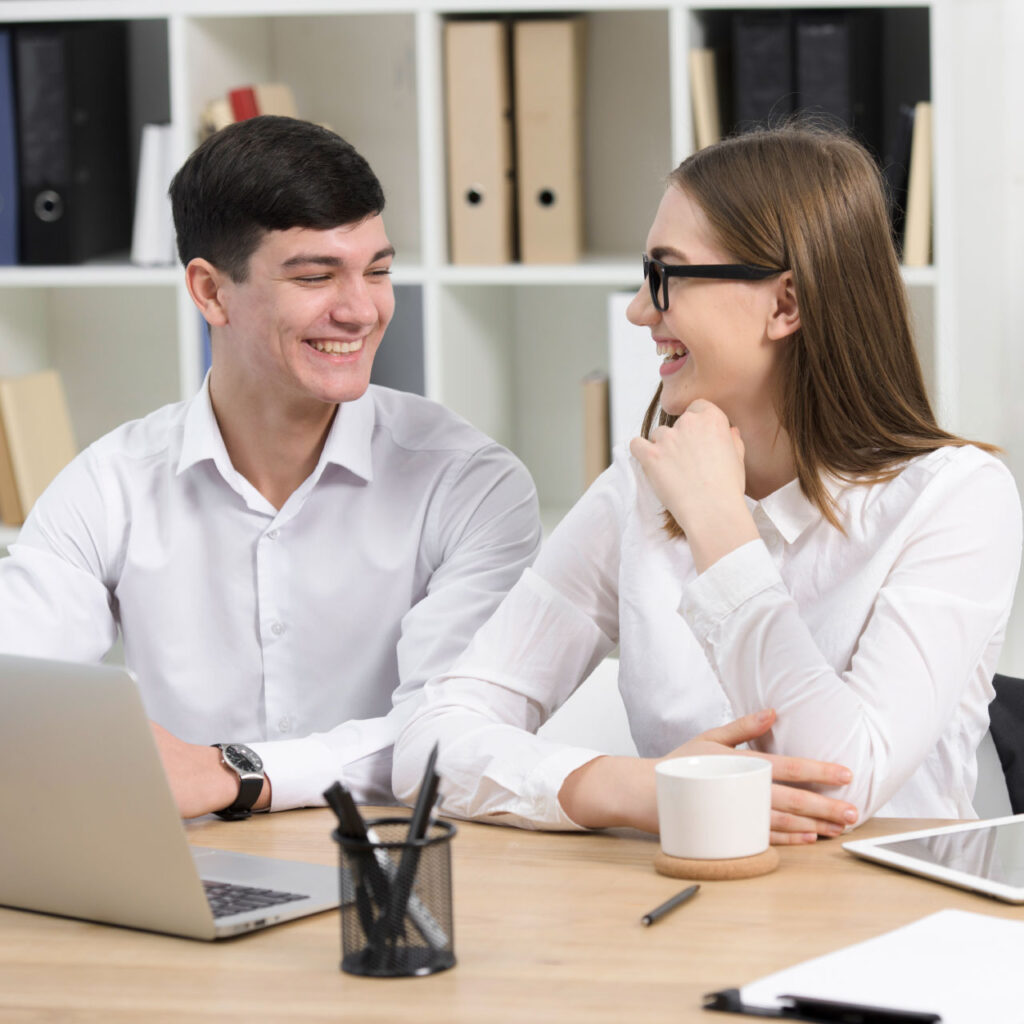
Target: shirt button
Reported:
[(285, 724), (271, 534), (277, 628)]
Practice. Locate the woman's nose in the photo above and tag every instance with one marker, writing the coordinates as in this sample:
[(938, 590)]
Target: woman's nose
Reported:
[(641, 310)]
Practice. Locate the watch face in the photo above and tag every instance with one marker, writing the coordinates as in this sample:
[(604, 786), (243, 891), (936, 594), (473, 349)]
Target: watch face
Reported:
[(241, 757)]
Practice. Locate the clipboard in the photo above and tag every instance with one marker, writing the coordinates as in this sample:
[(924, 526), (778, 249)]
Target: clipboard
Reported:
[(953, 966)]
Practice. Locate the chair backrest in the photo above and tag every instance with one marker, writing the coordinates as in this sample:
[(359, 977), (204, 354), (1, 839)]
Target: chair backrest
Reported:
[(1006, 718)]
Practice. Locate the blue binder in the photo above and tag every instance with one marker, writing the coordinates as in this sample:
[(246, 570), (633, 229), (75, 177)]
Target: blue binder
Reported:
[(8, 158)]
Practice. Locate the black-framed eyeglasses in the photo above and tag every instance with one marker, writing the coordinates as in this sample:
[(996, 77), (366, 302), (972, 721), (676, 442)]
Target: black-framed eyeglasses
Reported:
[(657, 274)]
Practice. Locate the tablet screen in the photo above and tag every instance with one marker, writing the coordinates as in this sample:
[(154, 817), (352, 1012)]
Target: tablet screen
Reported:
[(995, 852)]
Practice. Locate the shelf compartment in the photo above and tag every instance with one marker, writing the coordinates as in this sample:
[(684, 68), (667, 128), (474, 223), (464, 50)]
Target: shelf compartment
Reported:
[(356, 74), (117, 354), (513, 361)]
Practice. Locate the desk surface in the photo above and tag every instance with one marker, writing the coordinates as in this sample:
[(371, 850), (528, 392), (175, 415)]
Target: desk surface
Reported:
[(547, 927)]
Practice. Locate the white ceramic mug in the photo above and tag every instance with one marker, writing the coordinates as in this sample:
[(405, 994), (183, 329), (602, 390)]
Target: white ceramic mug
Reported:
[(711, 806)]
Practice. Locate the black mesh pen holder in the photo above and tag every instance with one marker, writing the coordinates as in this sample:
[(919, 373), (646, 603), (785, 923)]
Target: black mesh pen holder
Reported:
[(396, 913)]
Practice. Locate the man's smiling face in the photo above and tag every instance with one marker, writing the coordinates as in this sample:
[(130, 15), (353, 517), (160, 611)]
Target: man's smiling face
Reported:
[(307, 321)]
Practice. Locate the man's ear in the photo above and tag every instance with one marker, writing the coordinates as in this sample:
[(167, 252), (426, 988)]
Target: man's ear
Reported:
[(204, 282), (784, 317)]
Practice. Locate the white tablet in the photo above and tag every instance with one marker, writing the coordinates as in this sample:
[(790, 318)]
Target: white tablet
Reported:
[(983, 856)]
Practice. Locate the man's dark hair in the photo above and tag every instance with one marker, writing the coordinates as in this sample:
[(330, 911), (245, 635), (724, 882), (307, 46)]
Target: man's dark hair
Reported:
[(267, 174)]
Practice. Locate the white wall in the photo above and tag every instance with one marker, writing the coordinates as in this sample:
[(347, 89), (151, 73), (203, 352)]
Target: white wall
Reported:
[(1009, 123), (988, 83)]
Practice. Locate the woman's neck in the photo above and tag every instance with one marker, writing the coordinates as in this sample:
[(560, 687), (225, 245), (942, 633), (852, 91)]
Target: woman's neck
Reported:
[(767, 458)]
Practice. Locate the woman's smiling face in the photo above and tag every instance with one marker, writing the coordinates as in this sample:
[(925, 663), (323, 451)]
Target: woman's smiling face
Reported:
[(714, 334)]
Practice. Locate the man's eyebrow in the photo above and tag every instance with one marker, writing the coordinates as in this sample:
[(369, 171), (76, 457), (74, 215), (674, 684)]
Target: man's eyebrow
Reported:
[(659, 252), (313, 259)]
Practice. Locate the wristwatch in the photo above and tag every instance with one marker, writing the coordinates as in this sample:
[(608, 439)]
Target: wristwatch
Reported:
[(246, 762)]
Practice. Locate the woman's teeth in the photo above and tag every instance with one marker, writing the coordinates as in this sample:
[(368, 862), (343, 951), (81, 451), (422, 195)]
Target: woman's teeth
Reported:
[(671, 350)]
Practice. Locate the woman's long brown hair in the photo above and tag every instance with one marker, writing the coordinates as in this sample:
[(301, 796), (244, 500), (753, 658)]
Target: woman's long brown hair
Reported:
[(851, 396)]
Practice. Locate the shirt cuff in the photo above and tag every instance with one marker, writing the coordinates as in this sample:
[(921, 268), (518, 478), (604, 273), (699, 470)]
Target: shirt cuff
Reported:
[(733, 580), (299, 771)]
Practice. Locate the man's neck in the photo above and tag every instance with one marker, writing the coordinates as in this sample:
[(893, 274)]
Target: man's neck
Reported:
[(274, 447)]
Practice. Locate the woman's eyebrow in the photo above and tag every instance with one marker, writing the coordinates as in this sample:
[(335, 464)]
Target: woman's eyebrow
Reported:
[(659, 252)]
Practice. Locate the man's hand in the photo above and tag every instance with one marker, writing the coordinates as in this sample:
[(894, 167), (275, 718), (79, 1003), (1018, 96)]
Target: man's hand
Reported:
[(200, 782), (621, 791)]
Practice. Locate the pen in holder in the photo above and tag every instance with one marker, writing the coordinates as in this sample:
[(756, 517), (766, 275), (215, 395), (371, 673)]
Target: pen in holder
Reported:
[(400, 923)]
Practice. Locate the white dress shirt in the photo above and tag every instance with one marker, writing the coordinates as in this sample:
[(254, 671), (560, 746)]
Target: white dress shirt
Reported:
[(876, 647), (305, 632)]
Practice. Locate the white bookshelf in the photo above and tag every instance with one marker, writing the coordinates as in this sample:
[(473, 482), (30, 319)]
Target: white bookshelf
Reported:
[(506, 346)]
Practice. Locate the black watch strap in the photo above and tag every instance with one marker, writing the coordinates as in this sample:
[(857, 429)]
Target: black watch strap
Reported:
[(249, 788)]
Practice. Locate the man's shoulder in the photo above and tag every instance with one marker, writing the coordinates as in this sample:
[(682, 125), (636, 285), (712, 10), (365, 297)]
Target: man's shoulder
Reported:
[(420, 424), (156, 435)]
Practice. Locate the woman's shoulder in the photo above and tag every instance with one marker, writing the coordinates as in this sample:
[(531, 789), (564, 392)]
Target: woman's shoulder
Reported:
[(956, 482), (958, 465)]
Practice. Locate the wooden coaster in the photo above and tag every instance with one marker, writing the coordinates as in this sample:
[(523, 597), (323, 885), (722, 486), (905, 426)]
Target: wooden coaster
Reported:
[(735, 867)]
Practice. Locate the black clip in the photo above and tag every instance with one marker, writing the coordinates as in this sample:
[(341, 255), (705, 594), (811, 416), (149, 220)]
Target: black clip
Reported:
[(817, 1011)]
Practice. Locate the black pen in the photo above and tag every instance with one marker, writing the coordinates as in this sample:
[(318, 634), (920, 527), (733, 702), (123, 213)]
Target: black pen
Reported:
[(659, 912), (351, 826), (405, 876)]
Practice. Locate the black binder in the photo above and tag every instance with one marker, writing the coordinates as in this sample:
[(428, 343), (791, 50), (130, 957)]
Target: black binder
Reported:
[(762, 60), (896, 168), (838, 70), (72, 106), (9, 198)]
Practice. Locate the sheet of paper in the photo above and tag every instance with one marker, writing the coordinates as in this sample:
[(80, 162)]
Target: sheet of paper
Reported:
[(961, 965)]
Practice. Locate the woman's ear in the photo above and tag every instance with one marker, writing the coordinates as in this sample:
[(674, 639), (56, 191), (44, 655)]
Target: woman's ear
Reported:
[(204, 282), (784, 317)]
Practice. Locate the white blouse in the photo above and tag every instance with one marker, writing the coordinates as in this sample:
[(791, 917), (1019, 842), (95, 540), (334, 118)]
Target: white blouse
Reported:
[(876, 645)]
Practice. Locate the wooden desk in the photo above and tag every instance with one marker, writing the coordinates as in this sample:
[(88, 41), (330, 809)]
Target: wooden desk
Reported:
[(547, 929)]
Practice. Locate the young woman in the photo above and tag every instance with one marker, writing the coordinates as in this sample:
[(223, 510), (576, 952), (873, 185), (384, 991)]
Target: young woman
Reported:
[(796, 533)]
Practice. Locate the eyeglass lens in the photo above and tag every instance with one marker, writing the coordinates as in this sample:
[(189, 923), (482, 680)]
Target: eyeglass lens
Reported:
[(658, 283)]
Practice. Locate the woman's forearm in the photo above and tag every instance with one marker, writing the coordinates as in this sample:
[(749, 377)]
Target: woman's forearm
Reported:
[(612, 792)]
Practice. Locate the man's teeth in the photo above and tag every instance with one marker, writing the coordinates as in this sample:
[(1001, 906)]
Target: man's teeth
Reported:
[(671, 350), (337, 348)]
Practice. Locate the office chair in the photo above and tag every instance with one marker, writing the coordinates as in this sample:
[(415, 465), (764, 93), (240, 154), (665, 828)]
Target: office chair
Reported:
[(1006, 724)]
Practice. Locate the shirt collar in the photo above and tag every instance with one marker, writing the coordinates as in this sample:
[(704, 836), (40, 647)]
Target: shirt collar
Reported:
[(202, 439), (789, 510), (348, 441)]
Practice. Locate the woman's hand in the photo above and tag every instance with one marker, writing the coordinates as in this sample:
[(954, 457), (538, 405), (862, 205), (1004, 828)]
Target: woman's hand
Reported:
[(798, 815), (696, 469), (620, 791)]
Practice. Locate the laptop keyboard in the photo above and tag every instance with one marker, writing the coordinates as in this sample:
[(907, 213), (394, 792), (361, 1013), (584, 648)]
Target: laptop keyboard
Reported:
[(226, 898)]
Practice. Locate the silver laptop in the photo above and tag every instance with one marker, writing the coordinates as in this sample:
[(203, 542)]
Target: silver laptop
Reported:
[(89, 826)]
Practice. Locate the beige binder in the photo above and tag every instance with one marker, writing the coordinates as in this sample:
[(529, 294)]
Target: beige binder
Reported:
[(917, 229), (596, 446), (479, 123), (36, 436), (10, 503), (548, 84), (707, 126)]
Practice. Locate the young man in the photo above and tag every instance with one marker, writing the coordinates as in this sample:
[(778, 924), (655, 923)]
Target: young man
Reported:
[(293, 552)]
